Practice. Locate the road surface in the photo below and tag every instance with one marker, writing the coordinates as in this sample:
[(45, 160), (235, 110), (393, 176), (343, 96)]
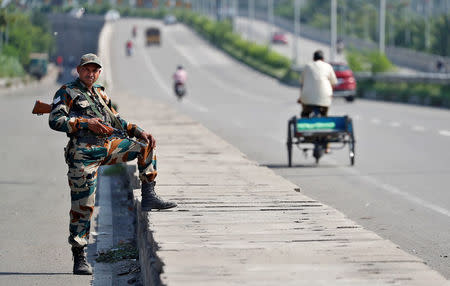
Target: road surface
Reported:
[(399, 185)]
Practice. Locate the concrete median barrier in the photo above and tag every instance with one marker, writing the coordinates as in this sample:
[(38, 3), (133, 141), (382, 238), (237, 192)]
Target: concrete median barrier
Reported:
[(239, 223)]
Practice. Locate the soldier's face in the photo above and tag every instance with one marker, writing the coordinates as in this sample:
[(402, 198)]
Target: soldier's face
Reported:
[(89, 74)]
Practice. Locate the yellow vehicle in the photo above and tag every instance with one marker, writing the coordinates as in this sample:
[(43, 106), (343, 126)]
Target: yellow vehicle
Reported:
[(153, 36)]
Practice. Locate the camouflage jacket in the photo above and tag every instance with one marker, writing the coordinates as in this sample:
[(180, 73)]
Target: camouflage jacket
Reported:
[(71, 110)]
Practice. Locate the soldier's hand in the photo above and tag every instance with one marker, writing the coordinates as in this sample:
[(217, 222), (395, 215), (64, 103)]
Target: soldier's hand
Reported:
[(148, 138), (96, 126)]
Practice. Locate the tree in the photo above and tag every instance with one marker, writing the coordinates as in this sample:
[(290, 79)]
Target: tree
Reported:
[(441, 40)]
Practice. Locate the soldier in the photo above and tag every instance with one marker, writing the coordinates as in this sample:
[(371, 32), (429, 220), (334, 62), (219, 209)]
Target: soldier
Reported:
[(83, 110)]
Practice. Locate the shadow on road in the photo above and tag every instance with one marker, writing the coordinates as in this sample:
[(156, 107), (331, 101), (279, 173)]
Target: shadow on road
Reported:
[(302, 166), (33, 273)]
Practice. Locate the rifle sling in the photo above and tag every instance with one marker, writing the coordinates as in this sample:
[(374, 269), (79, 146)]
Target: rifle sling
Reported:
[(108, 110)]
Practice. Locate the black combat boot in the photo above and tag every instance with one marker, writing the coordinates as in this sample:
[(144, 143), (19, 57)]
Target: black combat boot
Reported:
[(80, 264), (150, 199)]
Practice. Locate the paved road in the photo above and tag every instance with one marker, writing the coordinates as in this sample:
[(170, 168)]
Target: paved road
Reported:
[(398, 187), (35, 203)]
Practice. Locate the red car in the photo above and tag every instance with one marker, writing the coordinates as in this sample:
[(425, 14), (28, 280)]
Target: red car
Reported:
[(346, 86), (279, 38)]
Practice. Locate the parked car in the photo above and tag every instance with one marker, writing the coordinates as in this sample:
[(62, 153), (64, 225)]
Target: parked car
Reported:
[(346, 86), (279, 38), (153, 36), (170, 20)]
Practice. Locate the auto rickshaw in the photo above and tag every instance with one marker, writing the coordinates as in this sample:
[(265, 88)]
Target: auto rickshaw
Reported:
[(153, 36)]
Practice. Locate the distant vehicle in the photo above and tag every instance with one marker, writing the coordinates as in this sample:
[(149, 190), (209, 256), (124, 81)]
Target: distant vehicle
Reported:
[(77, 12), (129, 48), (279, 38), (346, 86), (170, 20), (112, 15), (38, 65), (153, 36)]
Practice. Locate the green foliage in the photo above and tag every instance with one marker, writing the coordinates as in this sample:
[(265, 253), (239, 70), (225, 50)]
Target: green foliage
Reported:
[(356, 62), (122, 252), (441, 31), (10, 67), (276, 60), (27, 33), (419, 93), (379, 62), (257, 51), (372, 61), (358, 18)]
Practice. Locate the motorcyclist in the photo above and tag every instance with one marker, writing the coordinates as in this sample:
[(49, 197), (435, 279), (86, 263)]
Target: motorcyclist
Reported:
[(129, 46), (179, 78)]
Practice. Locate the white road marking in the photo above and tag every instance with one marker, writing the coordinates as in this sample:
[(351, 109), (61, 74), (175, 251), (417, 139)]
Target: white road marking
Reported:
[(375, 121), (396, 191), (155, 74), (222, 85), (394, 124), (165, 87), (418, 128), (386, 187), (237, 123), (444, 132), (184, 53)]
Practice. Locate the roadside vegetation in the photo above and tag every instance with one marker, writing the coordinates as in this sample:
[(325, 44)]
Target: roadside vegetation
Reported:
[(22, 33), (437, 95), (355, 18), (221, 35)]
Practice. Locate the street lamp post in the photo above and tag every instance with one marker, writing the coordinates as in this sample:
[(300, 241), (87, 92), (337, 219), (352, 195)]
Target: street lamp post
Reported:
[(296, 32), (333, 29), (235, 15), (382, 26), (251, 14), (270, 18), (427, 24)]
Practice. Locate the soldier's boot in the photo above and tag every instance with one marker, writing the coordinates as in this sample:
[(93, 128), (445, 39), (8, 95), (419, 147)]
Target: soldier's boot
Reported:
[(80, 264), (150, 199)]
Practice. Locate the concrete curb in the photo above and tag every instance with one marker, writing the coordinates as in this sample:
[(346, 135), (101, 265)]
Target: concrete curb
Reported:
[(239, 223), (151, 265)]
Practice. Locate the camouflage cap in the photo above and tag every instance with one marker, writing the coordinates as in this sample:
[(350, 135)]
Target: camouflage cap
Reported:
[(90, 59)]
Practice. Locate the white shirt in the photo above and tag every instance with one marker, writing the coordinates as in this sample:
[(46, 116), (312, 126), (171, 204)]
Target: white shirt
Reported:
[(317, 79)]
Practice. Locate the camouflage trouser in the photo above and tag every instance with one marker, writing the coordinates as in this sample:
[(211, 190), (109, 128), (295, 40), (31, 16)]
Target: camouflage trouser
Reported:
[(84, 160)]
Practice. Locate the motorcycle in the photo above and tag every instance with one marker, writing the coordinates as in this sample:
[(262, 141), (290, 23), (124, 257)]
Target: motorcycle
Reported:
[(129, 52), (180, 90), (129, 49)]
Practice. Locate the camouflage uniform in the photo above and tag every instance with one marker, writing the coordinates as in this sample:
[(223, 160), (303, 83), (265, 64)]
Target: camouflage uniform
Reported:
[(86, 151)]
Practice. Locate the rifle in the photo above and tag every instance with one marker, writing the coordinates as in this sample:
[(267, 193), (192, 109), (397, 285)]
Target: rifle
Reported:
[(41, 108)]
